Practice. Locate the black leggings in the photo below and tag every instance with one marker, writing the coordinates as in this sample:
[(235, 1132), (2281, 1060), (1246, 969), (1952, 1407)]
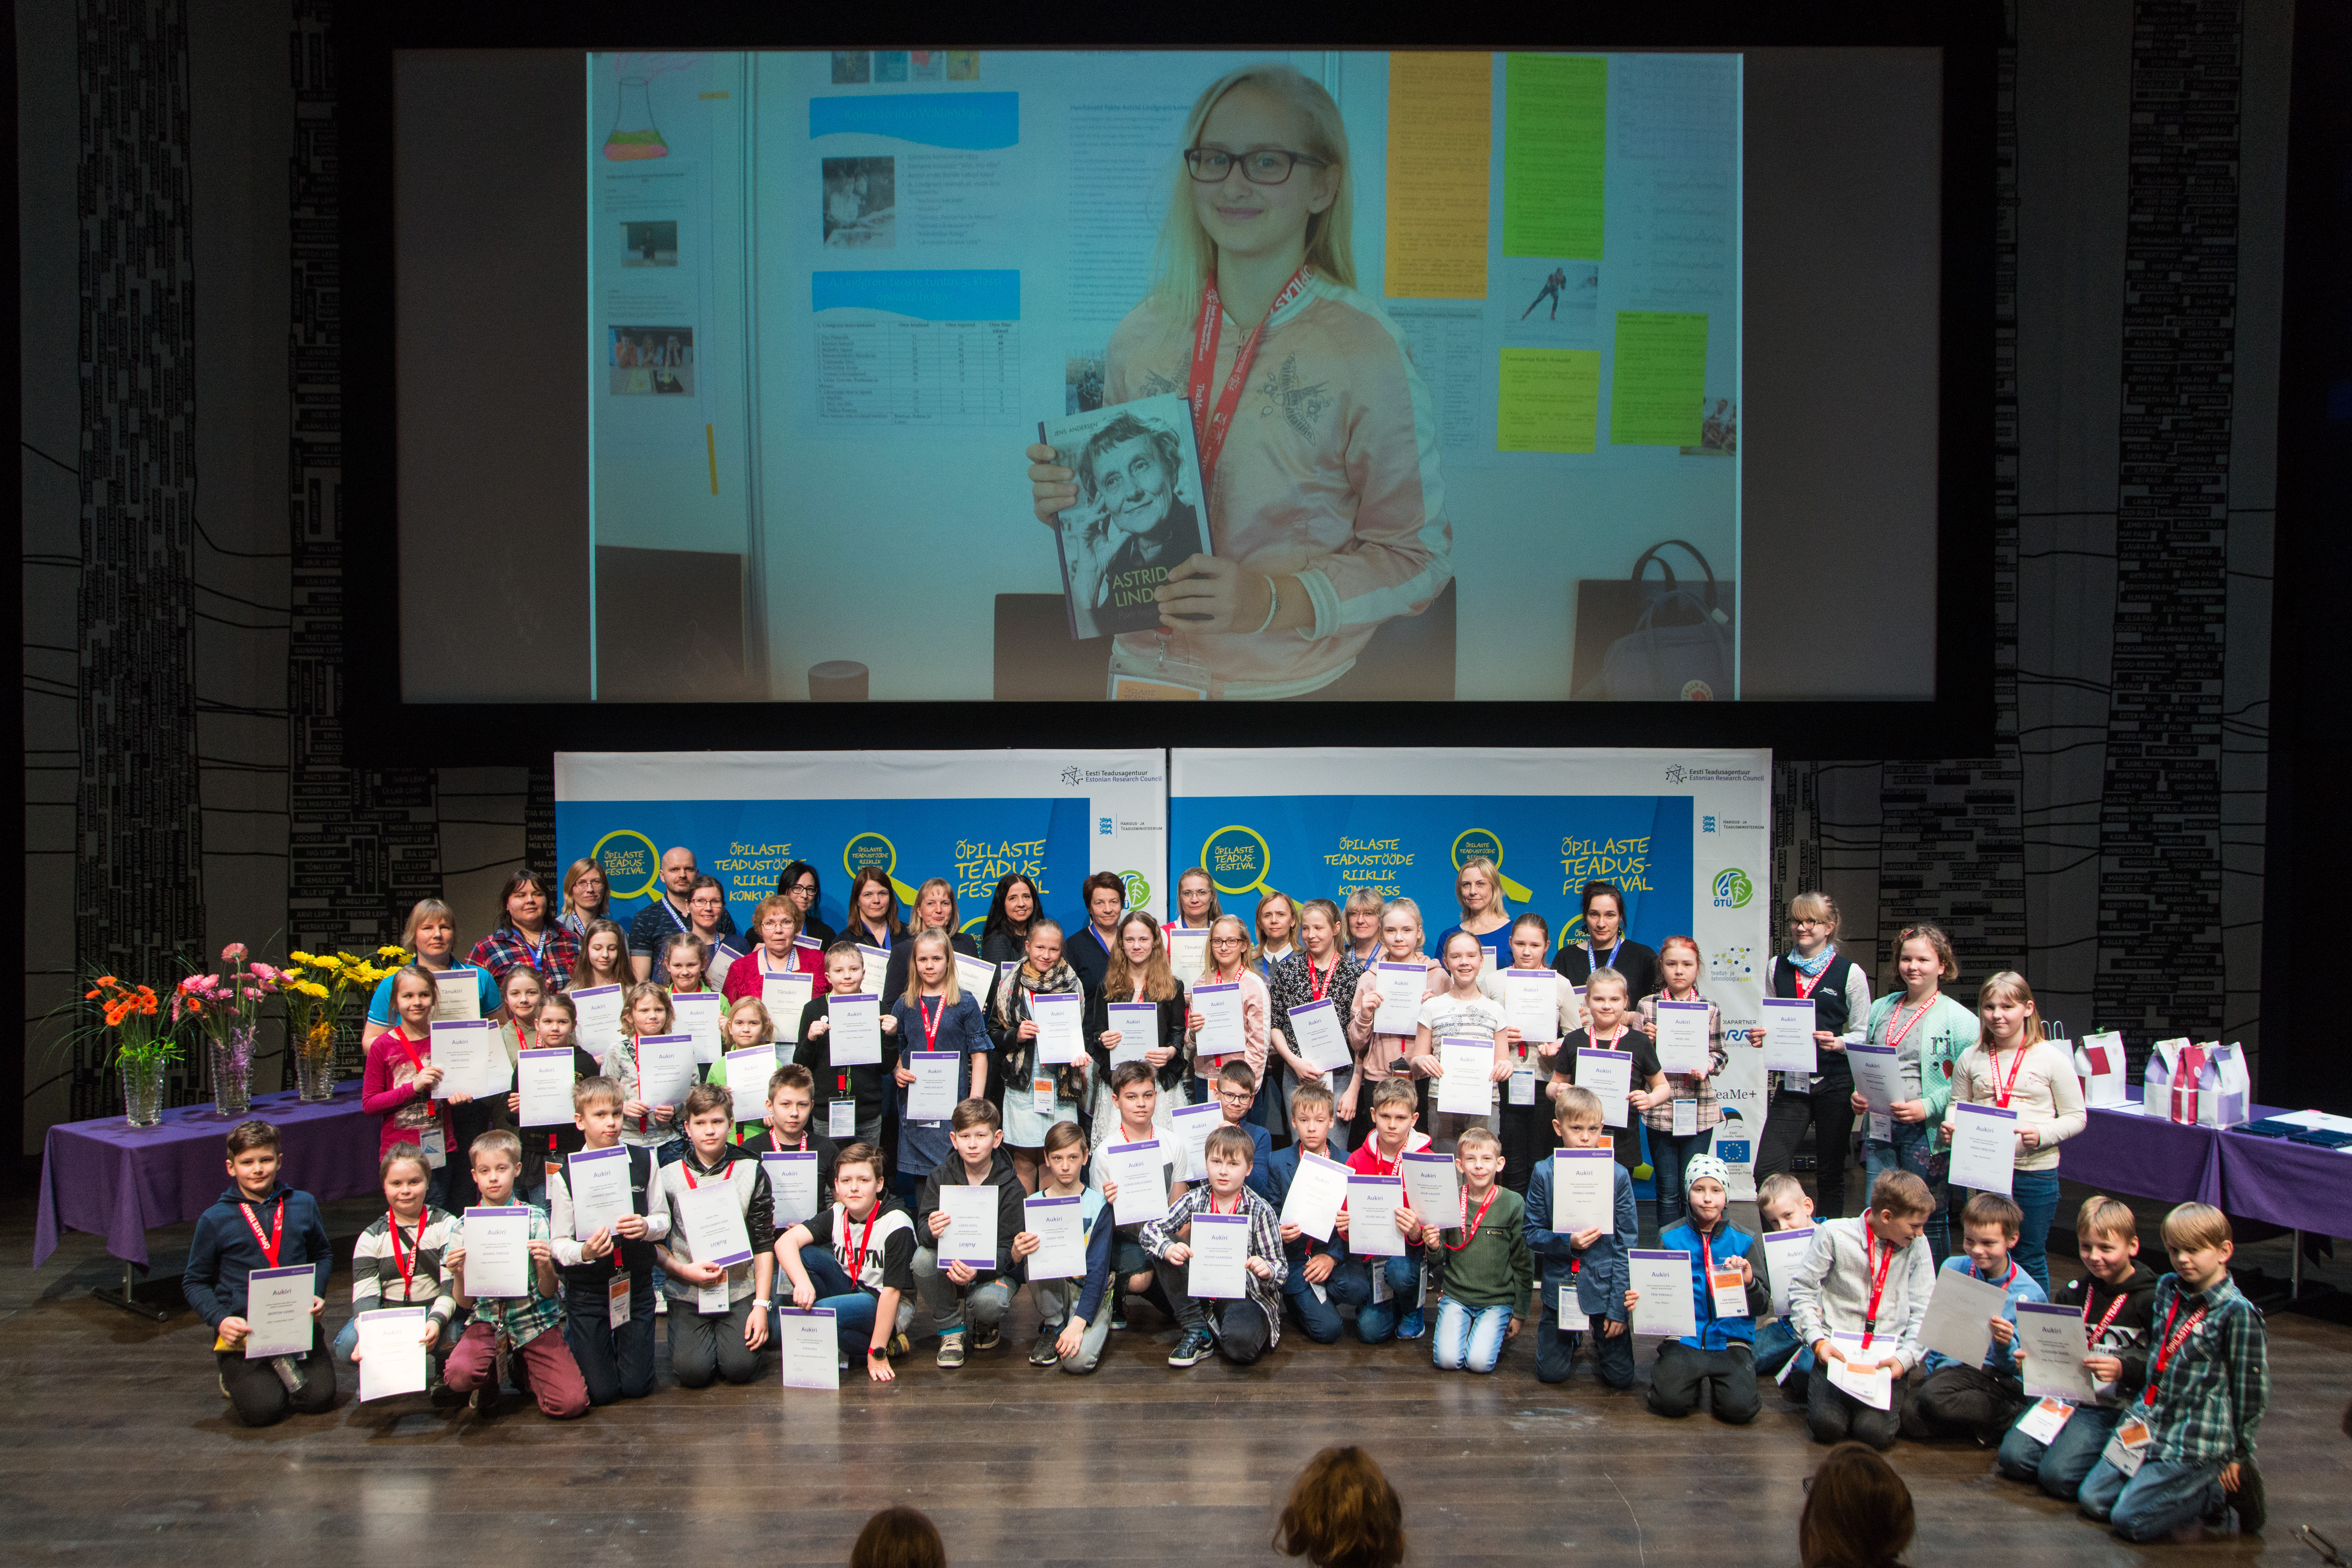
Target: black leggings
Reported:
[(1831, 1113)]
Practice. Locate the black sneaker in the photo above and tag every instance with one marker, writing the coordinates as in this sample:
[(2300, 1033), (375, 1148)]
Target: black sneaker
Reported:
[(1192, 1349), (985, 1336), (1046, 1352), (1118, 1321), (2247, 1501)]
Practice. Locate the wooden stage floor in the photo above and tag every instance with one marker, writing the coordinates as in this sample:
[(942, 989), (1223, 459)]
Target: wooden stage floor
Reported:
[(117, 1442)]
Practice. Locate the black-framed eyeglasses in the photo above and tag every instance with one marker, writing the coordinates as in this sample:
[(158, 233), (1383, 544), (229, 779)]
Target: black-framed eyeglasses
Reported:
[(1260, 166)]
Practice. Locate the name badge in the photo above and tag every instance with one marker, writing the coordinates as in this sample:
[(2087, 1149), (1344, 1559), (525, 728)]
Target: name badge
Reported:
[(616, 1300), (710, 1298), (1685, 1117), (434, 1143), (2045, 1420), (1730, 1293), (1572, 1320), (2127, 1450), (1881, 1129), (1041, 1096), (841, 1118), (1523, 1087)]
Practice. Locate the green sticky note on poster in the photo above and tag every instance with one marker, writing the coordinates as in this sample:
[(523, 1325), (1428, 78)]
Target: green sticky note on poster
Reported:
[(1555, 130), (1548, 400), (1658, 391)]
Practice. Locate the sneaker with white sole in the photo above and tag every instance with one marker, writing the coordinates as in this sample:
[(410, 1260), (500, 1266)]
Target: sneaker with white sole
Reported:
[(951, 1350), (1046, 1352), (985, 1336), (1410, 1326), (1192, 1349)]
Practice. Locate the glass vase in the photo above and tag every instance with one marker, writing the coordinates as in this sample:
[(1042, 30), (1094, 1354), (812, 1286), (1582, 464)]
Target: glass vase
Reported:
[(232, 1069), (314, 1077), (143, 1091)]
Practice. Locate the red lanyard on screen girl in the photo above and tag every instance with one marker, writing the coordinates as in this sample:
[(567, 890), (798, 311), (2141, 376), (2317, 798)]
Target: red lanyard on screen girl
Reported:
[(278, 1234), (1470, 1222), (1209, 427), (2172, 1342), (1877, 1278), (407, 1265)]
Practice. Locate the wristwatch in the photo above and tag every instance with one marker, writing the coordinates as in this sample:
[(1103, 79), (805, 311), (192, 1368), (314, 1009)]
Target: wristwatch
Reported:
[(761, 1305), (878, 1352)]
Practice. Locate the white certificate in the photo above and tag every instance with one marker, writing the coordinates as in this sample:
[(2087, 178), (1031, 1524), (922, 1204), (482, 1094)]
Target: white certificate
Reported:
[(1192, 1125), (1220, 1008), (497, 1252), (975, 977), (1060, 1017), (1219, 1270), (1188, 953), (1584, 1191), (698, 1014), (1059, 1226), (278, 1311), (1682, 1037), (1789, 1045), (1316, 1193), (391, 1352), (810, 1347), (1984, 1148), (2054, 1340), (1432, 1187), (599, 1183), (786, 996), (878, 966), (664, 1067), (933, 1096), (1318, 1035), (853, 1030), (1531, 1004), (1467, 1086), (456, 994), (1876, 1074), (1783, 1251), (1372, 1204), (1610, 1075), (543, 1079), (1400, 986), (598, 1009), (1959, 1316), (791, 1186), (1662, 1282), (748, 1072), (1874, 1386), (971, 1238), (461, 1050), (713, 1218), (1139, 1171), (1136, 1024)]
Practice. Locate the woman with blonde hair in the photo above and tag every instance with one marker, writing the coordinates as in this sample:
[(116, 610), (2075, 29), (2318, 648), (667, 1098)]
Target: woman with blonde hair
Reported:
[(1274, 933), (1478, 889), (2014, 1066), (1815, 969), (1363, 914), (431, 935), (1329, 519), (585, 896)]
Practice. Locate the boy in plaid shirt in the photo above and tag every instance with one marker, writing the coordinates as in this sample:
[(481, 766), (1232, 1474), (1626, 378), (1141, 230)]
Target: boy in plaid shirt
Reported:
[(2184, 1451), (1251, 1325), (529, 1321)]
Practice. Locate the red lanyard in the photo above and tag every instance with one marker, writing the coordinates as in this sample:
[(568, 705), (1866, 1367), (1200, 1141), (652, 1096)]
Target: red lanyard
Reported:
[(932, 1020), (407, 1265), (857, 1262), (277, 1233), (1471, 1221), (1322, 984), (2001, 1089), (1895, 1036), (2113, 1308), (2172, 1342), (1215, 1210), (693, 1186), (1387, 1167), (1706, 1250), (1877, 1278), (1805, 985), (414, 1059), (1209, 429)]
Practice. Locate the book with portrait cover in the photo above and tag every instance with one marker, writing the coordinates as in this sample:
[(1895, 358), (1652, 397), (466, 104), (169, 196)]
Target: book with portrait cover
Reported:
[(1139, 514)]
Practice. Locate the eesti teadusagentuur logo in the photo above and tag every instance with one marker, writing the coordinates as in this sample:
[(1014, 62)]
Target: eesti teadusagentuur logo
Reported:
[(1733, 889)]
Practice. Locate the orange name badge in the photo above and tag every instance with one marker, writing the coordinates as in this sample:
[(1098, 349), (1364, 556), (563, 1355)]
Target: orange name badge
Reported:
[(1138, 689)]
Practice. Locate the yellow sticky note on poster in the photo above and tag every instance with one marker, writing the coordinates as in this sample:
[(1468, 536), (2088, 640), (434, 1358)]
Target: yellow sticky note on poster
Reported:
[(1555, 136), (1440, 144), (1548, 400)]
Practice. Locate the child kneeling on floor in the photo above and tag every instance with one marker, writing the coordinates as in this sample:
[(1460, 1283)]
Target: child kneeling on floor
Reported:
[(532, 1321), (1716, 1365), (1245, 1327), (1483, 1266)]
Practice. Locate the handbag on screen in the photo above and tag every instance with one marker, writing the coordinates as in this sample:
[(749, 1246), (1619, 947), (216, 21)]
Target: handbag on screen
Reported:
[(1683, 662)]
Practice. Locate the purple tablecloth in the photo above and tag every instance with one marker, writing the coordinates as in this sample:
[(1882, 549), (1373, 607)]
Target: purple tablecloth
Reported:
[(2268, 1179), (2289, 1184), (115, 1180)]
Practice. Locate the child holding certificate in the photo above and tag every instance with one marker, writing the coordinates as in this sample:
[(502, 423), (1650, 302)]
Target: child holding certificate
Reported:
[(608, 1274), (1482, 1265), (2185, 1450), (1785, 1210), (1526, 1121), (1858, 1299), (2056, 1443), (1137, 974), (1315, 1287), (1715, 1365), (2012, 1067), (857, 1260), (1816, 970), (1585, 1270), (1461, 1011), (1136, 1118), (717, 1310), (604, 958), (965, 1270), (644, 1012), (864, 1087), (397, 1262), (1037, 1095), (1321, 971), (1682, 1123), (1072, 1324), (746, 1027), (935, 1016), (1929, 1031), (1248, 1323), (1979, 1401), (791, 1112), (1387, 1289), (1384, 1012), (1607, 1028), (400, 1082), (259, 1222), (527, 1322), (513, 1028), (1226, 966)]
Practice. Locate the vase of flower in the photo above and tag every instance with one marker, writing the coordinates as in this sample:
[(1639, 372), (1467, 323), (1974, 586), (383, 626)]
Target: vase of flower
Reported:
[(144, 1041), (319, 989), (142, 1091), (227, 1007), (231, 1055)]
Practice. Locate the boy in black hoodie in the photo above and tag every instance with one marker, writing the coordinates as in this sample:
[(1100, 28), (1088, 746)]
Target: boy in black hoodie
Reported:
[(2116, 1296), (960, 1294), (259, 1222)]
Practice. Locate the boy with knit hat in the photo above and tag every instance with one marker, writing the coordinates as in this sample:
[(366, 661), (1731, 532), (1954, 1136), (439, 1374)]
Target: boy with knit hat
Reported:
[(1716, 1366)]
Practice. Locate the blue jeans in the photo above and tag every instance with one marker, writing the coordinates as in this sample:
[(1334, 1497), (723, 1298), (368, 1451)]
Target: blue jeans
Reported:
[(1775, 1346), (852, 1309), (2164, 1495), (2036, 1193), (1377, 1320), (1320, 1318), (2059, 1467), (1613, 1355), (1913, 1149), (1468, 1338), (1667, 1155)]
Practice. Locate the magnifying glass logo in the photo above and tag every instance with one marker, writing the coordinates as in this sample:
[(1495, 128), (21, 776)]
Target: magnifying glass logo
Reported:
[(1472, 843), (1237, 851), (873, 849), (625, 862)]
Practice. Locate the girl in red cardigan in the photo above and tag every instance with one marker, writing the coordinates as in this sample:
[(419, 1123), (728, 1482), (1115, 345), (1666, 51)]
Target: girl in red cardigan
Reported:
[(398, 1081)]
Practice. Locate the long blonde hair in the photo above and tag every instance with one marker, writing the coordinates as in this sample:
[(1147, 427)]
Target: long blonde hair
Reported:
[(2012, 984), (1187, 256), (950, 992), (1159, 979)]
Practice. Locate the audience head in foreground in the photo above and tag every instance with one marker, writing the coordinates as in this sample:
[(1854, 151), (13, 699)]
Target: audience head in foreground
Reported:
[(1342, 1513), (1857, 1511)]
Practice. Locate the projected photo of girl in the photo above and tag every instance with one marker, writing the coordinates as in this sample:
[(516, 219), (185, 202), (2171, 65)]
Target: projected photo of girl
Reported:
[(1131, 527), (1317, 440)]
